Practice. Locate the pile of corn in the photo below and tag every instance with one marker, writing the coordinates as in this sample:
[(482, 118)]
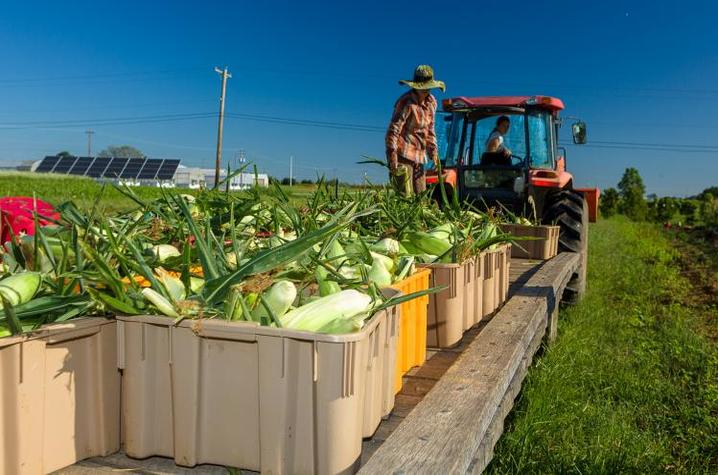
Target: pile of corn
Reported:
[(247, 256)]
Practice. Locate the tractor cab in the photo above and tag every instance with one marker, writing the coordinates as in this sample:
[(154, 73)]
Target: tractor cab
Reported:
[(527, 174), (529, 158)]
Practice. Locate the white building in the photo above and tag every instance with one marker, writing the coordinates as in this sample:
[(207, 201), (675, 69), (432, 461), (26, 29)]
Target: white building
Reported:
[(186, 177)]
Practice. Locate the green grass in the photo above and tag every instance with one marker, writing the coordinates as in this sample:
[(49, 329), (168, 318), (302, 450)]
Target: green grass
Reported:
[(56, 189), (631, 384)]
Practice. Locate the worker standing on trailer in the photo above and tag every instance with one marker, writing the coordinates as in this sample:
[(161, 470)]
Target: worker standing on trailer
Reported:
[(411, 138)]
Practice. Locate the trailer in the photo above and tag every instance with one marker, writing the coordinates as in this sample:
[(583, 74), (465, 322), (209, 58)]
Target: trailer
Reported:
[(450, 411)]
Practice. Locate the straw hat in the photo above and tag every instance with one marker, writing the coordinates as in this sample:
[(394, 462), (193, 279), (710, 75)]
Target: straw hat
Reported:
[(424, 79)]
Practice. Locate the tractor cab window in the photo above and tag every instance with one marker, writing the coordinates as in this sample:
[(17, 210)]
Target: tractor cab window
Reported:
[(514, 139), (448, 137), (541, 140)]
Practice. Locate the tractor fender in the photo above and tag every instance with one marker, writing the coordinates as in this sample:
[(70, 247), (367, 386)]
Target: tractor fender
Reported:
[(449, 176), (592, 196), (432, 177), (549, 178)]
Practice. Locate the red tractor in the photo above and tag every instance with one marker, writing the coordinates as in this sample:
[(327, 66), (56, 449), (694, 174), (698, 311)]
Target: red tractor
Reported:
[(530, 179)]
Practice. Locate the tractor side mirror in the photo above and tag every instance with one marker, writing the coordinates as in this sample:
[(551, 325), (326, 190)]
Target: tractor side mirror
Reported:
[(579, 132)]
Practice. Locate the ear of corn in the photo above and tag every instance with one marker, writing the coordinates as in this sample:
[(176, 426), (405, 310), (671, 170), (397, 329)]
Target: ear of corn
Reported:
[(175, 287), (20, 288), (388, 262), (161, 303), (315, 315), (379, 274), (163, 252), (326, 286), (386, 246), (428, 243), (279, 298)]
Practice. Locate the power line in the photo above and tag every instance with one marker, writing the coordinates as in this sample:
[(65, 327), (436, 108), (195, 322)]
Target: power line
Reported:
[(370, 128), (131, 120), (105, 107), (109, 121), (308, 123), (655, 144), (645, 149), (103, 76)]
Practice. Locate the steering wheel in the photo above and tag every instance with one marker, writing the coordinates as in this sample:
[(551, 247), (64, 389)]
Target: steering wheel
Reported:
[(516, 160)]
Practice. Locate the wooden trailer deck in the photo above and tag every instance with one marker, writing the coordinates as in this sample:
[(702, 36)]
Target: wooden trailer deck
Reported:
[(450, 412)]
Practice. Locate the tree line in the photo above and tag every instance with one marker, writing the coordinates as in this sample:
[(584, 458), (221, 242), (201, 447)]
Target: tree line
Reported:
[(629, 198)]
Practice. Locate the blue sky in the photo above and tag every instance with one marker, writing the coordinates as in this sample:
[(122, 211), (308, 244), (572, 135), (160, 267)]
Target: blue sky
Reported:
[(636, 72)]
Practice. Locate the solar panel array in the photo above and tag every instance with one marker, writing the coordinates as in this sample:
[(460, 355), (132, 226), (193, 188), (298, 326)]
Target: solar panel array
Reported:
[(115, 168)]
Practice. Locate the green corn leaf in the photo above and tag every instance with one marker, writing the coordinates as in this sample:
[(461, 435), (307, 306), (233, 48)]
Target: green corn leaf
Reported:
[(109, 276), (40, 236), (405, 298), (246, 313), (43, 306), (79, 310), (269, 310), (216, 289), (114, 303), (205, 256), (12, 320), (145, 270)]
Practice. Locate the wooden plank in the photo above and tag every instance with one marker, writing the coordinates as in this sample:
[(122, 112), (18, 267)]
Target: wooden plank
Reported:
[(443, 433), (486, 450)]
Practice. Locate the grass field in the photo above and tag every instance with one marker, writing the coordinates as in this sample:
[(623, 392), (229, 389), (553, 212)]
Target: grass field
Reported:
[(631, 384), (56, 189)]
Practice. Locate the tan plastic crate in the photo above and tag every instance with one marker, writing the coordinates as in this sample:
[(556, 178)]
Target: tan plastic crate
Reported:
[(258, 398), (469, 275), (545, 247), (499, 252), (445, 320), (490, 294), (60, 396), (478, 287), (504, 272)]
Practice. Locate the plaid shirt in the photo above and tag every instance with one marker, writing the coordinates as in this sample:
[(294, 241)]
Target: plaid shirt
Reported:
[(411, 132)]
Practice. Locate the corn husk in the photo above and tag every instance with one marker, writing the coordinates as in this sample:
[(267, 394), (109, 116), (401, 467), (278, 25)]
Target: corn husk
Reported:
[(20, 288), (163, 252), (161, 303), (319, 313), (279, 298), (379, 274)]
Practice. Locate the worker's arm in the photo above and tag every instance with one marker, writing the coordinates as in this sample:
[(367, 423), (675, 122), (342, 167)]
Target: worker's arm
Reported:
[(496, 144), (493, 144), (398, 119), (431, 145)]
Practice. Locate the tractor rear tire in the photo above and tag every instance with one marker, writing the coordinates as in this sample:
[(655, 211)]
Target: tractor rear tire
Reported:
[(569, 210)]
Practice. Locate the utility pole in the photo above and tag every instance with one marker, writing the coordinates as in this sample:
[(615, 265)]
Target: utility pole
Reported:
[(225, 75), (336, 184), (291, 168), (89, 133)]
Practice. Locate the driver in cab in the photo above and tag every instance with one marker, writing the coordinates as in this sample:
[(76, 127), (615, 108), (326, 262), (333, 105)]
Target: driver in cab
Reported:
[(500, 154)]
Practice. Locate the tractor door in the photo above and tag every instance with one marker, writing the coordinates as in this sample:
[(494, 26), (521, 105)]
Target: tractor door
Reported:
[(491, 178)]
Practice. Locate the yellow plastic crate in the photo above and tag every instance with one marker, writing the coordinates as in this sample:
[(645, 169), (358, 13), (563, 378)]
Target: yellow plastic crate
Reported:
[(411, 346)]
